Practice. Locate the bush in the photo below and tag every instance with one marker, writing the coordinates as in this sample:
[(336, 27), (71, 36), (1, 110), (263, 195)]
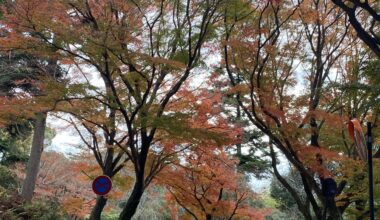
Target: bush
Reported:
[(10, 201), (7, 178), (110, 216), (43, 210), (12, 208)]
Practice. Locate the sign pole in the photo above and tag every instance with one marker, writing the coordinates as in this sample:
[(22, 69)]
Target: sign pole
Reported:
[(370, 170)]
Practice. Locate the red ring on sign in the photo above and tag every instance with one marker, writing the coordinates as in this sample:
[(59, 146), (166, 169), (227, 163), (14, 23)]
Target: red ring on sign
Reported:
[(105, 182)]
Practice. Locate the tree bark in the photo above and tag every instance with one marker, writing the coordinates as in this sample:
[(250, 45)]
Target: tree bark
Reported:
[(315, 132), (96, 212), (133, 200), (101, 201), (35, 157), (333, 210), (238, 117)]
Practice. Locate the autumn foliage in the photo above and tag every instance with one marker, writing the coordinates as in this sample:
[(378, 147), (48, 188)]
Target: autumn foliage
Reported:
[(137, 88), (206, 185)]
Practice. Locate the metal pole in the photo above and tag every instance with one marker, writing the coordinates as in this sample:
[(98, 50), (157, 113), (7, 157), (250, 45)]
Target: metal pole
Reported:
[(370, 170)]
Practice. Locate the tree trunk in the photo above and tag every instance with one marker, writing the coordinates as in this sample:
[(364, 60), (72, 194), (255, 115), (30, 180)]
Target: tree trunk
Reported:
[(208, 217), (101, 201), (35, 157), (333, 211), (315, 132), (238, 117), (96, 212), (133, 200), (139, 187)]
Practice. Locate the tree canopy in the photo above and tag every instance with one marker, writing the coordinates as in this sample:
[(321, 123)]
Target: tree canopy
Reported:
[(191, 103)]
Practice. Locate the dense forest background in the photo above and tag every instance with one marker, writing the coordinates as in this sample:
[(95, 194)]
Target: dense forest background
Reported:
[(187, 106)]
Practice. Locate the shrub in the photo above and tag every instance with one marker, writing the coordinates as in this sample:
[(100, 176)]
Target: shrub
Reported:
[(7, 178), (43, 210), (12, 207)]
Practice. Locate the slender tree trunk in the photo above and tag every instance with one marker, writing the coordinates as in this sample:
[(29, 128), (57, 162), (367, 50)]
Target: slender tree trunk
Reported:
[(133, 200), (315, 132), (139, 187), (35, 157), (238, 117), (96, 212), (333, 210), (101, 201)]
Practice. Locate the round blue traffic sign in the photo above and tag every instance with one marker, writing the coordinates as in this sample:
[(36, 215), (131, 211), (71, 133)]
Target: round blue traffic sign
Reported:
[(102, 185)]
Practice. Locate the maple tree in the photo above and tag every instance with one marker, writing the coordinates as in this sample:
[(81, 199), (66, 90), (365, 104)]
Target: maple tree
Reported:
[(203, 178), (206, 184), (261, 68), (195, 125), (95, 124), (128, 46)]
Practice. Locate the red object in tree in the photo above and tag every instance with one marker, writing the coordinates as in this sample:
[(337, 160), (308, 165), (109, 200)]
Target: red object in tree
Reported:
[(356, 133)]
